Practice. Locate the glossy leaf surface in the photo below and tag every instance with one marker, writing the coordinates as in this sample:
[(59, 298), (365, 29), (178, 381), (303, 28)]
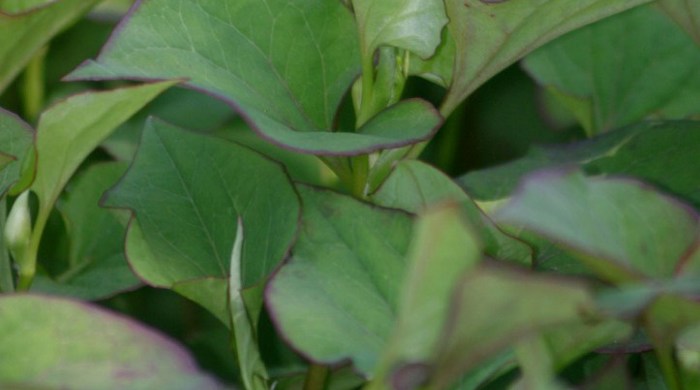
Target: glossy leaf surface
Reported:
[(97, 349), (285, 72)]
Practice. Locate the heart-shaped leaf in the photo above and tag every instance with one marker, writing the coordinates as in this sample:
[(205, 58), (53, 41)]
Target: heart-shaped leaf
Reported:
[(490, 35), (611, 81), (187, 191), (621, 229), (96, 266), (286, 73), (337, 296), (26, 26), (16, 139), (55, 343)]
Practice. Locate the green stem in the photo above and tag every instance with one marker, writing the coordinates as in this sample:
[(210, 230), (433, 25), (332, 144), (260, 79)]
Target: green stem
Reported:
[(342, 168), (366, 106), (316, 377), (6, 281), (360, 172), (668, 367), (28, 268), (33, 86)]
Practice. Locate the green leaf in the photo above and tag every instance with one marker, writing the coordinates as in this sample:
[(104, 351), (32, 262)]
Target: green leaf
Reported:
[(491, 35), (337, 297), (685, 13), (57, 343), (622, 230), (523, 303), (414, 185), (16, 139), (26, 28), (661, 76), (571, 342), (443, 248), (181, 107), (438, 68), (658, 152), (96, 266), (5, 160), (187, 190), (413, 25), (253, 370), (19, 6), (211, 182), (70, 130), (286, 73)]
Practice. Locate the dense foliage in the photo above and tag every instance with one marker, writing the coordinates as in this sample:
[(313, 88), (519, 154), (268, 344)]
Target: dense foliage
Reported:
[(394, 194)]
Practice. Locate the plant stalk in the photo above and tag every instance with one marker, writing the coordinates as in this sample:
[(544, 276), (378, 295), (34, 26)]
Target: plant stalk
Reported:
[(28, 270), (668, 367), (366, 109), (316, 377), (33, 86)]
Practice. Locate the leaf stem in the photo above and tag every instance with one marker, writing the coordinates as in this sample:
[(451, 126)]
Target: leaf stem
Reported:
[(316, 377), (668, 366), (366, 106), (6, 281), (33, 86), (360, 172), (27, 269)]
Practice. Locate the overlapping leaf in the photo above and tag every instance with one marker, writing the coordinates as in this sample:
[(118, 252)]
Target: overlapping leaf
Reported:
[(187, 192), (621, 229), (286, 70), (414, 185), (413, 25), (56, 343), (662, 153), (96, 265), (71, 129), (523, 302), (611, 81), (336, 298), (491, 35), (27, 26), (16, 139), (444, 247)]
